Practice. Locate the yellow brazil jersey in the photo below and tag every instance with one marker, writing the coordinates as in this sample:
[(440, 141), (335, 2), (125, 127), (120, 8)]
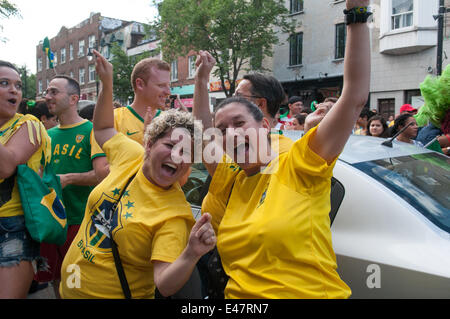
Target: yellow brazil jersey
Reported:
[(150, 224), (274, 238), (130, 123), (10, 204), (222, 182)]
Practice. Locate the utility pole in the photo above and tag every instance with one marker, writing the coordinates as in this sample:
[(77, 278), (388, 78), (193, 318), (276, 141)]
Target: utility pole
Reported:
[(440, 18)]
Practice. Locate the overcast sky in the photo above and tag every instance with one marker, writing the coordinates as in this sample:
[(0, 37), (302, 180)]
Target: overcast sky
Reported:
[(44, 18)]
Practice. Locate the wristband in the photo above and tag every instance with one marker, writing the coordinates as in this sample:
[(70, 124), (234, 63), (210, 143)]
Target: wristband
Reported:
[(357, 15)]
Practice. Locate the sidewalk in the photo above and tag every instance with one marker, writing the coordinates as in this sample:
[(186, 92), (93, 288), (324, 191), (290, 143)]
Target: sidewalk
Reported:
[(46, 293)]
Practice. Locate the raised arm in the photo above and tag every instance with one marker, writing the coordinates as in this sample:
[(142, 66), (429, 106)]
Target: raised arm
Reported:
[(103, 120), (336, 127), (205, 62)]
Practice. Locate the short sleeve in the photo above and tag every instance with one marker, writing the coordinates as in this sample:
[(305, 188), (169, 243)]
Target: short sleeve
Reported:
[(96, 150), (304, 170), (215, 201), (170, 239), (122, 151)]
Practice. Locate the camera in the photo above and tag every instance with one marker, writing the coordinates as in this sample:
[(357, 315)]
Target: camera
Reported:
[(174, 97)]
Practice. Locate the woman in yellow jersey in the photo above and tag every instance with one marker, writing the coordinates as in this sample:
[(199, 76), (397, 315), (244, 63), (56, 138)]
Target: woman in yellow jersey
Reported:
[(152, 223), (274, 237), (23, 139)]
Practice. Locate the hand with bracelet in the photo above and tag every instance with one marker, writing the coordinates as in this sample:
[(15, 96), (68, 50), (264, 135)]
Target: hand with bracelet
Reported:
[(357, 11)]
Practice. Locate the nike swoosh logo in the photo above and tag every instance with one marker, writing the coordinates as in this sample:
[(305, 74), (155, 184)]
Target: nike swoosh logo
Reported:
[(131, 133)]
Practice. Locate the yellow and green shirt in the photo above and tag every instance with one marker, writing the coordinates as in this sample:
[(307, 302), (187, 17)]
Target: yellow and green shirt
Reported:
[(73, 152), (10, 204), (274, 238), (150, 224)]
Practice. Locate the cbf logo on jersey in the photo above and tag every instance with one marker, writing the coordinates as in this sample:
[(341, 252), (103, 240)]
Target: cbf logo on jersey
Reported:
[(79, 138), (105, 220)]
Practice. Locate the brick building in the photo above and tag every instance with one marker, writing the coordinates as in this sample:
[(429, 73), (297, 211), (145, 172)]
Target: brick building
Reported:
[(70, 48)]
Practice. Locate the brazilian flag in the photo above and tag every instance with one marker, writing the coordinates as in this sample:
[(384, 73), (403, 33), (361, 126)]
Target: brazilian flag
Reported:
[(48, 52), (44, 212)]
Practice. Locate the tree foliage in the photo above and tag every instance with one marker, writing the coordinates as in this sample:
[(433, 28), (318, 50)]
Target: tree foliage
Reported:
[(123, 66), (238, 33), (7, 9), (28, 83)]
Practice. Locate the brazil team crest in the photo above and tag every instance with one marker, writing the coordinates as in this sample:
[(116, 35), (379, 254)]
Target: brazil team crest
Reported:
[(103, 220), (79, 138)]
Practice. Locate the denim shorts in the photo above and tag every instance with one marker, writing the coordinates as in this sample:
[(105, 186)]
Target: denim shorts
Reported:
[(16, 244)]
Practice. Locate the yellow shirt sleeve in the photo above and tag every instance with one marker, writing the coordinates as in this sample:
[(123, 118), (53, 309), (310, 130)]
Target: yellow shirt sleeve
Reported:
[(170, 240), (219, 191), (305, 170), (96, 150)]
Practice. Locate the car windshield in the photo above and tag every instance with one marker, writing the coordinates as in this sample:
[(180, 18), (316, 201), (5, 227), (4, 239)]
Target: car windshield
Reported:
[(193, 189), (423, 180)]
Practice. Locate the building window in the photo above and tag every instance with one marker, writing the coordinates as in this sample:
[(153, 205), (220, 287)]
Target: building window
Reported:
[(191, 65), (402, 13), (295, 49), (71, 74), (55, 59), (71, 52), (81, 48), (174, 71), (40, 86), (92, 41), (92, 73), (386, 108), (105, 52), (341, 33), (39, 64), (81, 76), (63, 55), (296, 6)]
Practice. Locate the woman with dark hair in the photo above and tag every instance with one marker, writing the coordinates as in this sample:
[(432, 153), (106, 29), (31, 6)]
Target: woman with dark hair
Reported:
[(40, 110), (23, 140), (376, 126), (409, 134), (274, 236)]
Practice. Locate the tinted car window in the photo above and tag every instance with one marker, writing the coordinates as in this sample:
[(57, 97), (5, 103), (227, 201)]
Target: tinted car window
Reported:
[(193, 189), (422, 180)]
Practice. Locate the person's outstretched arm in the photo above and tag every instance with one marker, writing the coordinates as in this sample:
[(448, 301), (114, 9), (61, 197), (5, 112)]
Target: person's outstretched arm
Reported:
[(336, 127), (103, 120)]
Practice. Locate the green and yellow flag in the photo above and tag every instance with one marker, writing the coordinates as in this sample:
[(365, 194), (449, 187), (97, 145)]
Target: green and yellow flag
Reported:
[(48, 52)]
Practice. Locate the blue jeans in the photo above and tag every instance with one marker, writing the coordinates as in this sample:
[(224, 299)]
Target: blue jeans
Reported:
[(16, 244)]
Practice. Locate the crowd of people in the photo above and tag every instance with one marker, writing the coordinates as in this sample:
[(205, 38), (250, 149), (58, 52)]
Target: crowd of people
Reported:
[(265, 217)]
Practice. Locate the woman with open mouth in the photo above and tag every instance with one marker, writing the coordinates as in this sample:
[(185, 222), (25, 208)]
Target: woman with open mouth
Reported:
[(140, 207), (274, 236), (23, 139)]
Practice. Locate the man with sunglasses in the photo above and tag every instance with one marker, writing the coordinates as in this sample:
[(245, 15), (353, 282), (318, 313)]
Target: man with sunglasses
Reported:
[(73, 159)]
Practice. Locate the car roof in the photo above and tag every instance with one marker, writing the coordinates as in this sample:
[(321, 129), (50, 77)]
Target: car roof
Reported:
[(361, 148), (83, 103)]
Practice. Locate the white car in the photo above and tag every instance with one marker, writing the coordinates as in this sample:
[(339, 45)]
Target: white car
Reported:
[(391, 233), (390, 218)]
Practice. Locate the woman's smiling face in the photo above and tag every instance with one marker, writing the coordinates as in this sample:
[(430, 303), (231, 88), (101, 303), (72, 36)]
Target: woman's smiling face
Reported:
[(242, 135), (10, 92), (168, 159)]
